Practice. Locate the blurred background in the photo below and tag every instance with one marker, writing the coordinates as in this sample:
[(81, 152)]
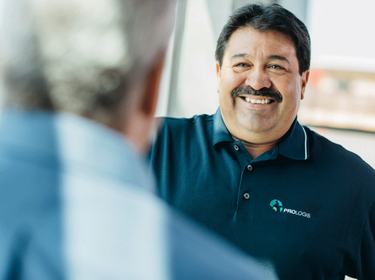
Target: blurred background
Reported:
[(340, 99)]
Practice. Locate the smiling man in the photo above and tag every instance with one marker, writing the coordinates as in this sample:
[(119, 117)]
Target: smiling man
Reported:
[(260, 87), (252, 173)]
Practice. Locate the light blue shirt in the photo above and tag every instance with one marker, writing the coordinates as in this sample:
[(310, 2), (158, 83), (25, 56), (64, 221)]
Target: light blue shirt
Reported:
[(76, 202)]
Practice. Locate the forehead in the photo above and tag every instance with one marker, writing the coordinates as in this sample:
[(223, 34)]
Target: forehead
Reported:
[(255, 43)]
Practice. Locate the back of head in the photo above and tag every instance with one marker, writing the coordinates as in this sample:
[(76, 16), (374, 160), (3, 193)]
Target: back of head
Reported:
[(79, 56), (263, 18)]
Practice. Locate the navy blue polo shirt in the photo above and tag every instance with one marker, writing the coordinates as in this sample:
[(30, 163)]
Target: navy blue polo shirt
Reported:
[(307, 206)]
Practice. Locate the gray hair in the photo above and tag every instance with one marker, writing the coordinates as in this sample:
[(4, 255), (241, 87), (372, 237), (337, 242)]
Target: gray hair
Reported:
[(79, 56)]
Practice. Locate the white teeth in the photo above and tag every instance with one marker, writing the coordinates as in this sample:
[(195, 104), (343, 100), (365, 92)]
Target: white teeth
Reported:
[(257, 101)]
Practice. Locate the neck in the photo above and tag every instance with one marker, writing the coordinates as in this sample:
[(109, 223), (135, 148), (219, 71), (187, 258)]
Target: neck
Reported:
[(256, 149)]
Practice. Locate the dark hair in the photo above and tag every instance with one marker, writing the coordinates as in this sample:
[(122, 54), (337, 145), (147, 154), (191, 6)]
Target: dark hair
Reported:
[(268, 17)]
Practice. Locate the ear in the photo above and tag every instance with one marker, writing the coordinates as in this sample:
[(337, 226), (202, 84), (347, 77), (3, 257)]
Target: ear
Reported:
[(218, 75), (151, 90), (304, 80)]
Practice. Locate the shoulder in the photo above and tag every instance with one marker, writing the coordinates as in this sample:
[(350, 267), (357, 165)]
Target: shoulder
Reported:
[(182, 134), (186, 123), (185, 127), (319, 144), (338, 159)]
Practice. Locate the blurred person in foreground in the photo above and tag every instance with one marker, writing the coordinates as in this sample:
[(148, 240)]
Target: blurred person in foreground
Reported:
[(252, 173), (79, 86)]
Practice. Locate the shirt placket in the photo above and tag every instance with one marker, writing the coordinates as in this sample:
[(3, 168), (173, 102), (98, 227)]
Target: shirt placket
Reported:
[(244, 189)]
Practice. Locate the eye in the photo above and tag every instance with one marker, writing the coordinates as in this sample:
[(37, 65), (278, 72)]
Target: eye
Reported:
[(241, 64), (275, 66)]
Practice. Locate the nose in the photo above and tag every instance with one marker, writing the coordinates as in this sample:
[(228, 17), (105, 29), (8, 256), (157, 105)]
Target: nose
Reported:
[(257, 79)]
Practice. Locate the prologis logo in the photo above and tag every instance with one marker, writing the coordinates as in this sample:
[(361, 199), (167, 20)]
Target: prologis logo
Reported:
[(277, 206)]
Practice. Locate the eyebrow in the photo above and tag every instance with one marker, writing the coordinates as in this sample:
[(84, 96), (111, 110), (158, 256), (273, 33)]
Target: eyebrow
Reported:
[(239, 55), (277, 57)]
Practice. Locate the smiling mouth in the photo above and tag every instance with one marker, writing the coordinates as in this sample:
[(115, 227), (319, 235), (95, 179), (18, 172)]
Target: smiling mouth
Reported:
[(250, 95), (257, 101)]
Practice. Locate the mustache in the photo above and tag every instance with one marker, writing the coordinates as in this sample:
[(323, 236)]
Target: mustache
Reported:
[(266, 92)]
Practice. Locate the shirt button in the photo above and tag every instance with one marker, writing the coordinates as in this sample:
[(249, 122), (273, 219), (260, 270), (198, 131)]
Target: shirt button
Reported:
[(236, 147), (246, 196), (249, 167)]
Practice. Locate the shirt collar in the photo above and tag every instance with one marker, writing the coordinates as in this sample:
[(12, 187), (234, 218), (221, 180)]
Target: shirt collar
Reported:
[(294, 144), (221, 133)]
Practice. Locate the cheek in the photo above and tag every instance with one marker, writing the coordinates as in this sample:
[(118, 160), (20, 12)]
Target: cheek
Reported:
[(291, 90), (225, 89), (293, 101), (225, 99), (229, 80)]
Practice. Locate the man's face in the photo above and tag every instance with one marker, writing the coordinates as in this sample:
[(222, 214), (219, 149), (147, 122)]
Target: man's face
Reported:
[(260, 61)]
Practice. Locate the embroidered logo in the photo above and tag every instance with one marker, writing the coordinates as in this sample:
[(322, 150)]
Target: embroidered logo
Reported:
[(278, 207)]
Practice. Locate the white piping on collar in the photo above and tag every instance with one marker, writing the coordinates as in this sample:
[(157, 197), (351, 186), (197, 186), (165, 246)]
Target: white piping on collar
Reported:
[(305, 142)]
